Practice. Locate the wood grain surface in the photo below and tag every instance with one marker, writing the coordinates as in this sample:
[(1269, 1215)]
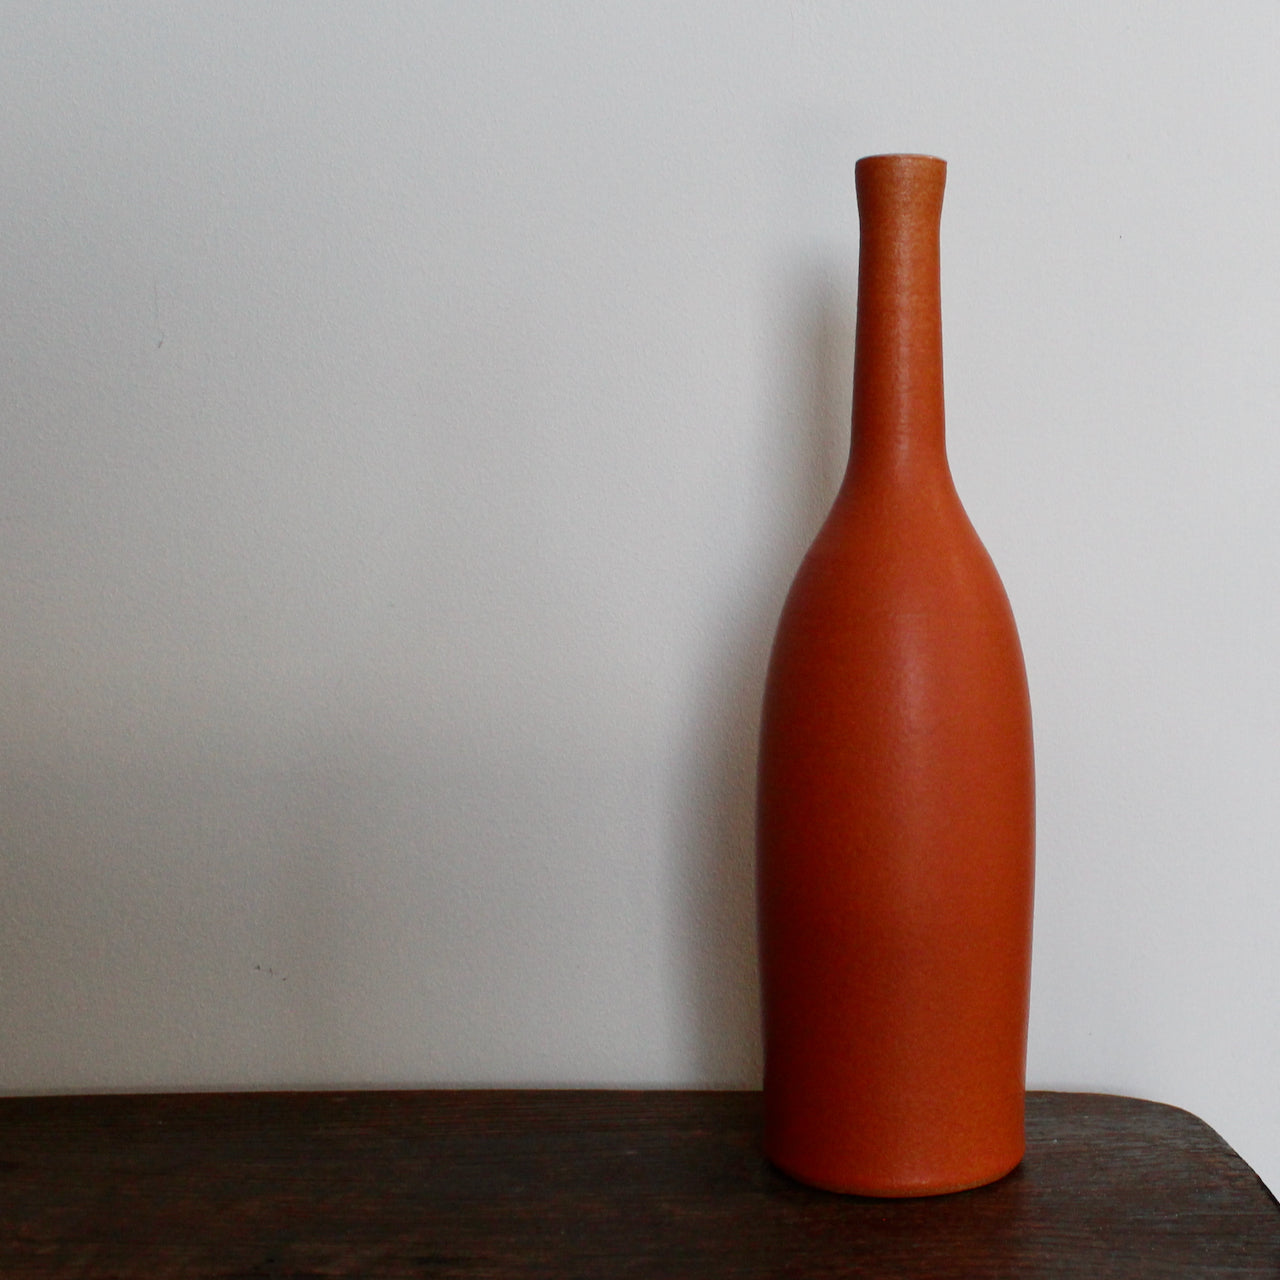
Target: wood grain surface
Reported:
[(599, 1184)]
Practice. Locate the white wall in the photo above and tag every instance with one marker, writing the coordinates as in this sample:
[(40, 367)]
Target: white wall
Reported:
[(412, 415)]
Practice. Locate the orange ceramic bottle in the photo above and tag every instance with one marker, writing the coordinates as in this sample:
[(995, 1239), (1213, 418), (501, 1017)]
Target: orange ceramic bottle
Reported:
[(896, 793)]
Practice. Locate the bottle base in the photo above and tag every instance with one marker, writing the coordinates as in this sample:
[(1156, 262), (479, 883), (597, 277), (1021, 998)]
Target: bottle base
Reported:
[(906, 1189)]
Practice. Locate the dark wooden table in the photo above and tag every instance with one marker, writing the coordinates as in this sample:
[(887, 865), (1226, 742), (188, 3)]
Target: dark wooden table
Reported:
[(595, 1185)]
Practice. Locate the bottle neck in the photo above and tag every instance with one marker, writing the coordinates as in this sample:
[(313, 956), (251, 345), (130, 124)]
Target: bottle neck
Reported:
[(898, 421)]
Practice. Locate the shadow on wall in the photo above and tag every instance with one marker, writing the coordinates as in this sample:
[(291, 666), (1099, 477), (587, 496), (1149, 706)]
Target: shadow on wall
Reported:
[(181, 923), (804, 448), (213, 922), (204, 914)]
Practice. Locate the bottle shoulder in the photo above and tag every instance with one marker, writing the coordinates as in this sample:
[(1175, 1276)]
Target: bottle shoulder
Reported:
[(885, 592), (886, 548)]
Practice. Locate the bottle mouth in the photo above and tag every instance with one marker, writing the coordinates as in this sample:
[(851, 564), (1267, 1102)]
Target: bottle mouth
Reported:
[(906, 158), (904, 182)]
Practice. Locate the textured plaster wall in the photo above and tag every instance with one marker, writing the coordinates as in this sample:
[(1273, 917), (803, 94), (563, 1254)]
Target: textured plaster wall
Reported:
[(411, 416)]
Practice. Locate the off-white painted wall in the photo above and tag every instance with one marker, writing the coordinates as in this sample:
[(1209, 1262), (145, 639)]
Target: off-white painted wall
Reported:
[(412, 415)]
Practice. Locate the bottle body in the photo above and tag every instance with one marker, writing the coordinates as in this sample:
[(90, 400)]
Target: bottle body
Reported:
[(895, 827)]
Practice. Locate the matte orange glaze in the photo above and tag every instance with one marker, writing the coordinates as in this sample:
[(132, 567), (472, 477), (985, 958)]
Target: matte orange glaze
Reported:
[(896, 788)]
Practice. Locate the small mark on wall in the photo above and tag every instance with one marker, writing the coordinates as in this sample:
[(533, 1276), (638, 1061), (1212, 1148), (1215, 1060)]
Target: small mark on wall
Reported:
[(155, 305)]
